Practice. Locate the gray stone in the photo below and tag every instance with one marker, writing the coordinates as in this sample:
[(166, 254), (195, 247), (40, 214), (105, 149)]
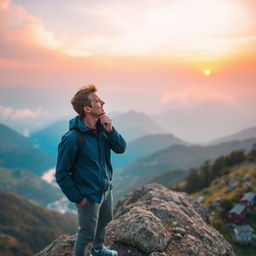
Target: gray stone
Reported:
[(62, 246), (157, 254), (141, 229), (180, 231), (155, 221)]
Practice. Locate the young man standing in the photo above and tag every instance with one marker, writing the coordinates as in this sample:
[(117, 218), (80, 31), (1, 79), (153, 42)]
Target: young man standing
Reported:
[(84, 170)]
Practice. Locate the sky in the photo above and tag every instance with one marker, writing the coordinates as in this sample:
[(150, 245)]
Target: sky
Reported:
[(190, 60)]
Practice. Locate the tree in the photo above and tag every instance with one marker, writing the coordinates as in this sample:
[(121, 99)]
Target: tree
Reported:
[(235, 157), (192, 181), (251, 156), (205, 174), (217, 166)]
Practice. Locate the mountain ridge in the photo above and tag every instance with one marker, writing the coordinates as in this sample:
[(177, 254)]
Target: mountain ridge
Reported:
[(17, 151), (240, 135), (26, 228), (175, 157), (130, 124), (144, 146), (28, 185)]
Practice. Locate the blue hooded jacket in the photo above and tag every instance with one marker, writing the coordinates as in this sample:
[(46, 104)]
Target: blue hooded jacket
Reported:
[(86, 172)]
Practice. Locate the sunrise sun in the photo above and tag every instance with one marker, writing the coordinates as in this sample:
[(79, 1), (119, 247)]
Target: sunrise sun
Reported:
[(207, 72)]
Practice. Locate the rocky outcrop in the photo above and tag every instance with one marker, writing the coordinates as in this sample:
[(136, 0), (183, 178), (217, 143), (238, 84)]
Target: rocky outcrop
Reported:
[(154, 221)]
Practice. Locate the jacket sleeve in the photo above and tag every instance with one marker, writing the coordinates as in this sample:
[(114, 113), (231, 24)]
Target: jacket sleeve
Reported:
[(67, 150), (116, 141)]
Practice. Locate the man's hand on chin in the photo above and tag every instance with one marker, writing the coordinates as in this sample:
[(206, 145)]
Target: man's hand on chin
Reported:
[(106, 121)]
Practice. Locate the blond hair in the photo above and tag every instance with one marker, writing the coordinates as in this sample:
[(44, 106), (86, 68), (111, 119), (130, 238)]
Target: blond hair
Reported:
[(82, 98)]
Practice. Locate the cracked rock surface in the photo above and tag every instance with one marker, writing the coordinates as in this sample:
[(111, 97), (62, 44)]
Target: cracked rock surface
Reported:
[(155, 221)]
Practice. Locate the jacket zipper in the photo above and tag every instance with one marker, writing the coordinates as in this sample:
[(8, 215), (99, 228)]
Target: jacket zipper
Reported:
[(100, 156)]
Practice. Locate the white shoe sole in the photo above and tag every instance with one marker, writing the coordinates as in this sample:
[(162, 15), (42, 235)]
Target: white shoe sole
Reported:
[(91, 254)]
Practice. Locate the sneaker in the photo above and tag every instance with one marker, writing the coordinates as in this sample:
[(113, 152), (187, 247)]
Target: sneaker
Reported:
[(103, 252)]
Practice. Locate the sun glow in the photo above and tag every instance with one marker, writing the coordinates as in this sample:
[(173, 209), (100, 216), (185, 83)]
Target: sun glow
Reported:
[(207, 72)]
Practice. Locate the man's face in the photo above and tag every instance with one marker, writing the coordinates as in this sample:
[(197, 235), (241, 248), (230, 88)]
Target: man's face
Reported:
[(96, 109)]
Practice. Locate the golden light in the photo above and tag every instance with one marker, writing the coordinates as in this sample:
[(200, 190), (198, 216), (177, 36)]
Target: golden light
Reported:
[(135, 37), (211, 24), (207, 72)]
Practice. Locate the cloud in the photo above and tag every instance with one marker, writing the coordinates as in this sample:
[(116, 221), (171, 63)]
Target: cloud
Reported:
[(5, 112), (23, 36), (183, 29), (19, 114)]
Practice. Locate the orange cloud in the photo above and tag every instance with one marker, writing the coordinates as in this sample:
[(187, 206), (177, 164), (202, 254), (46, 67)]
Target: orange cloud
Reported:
[(18, 27), (181, 30)]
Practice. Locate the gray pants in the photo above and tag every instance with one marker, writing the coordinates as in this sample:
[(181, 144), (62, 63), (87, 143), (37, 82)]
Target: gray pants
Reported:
[(93, 219)]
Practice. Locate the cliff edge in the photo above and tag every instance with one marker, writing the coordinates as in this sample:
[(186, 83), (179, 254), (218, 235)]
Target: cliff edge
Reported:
[(154, 221)]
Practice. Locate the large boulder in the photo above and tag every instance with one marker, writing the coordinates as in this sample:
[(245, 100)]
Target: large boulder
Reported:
[(154, 221)]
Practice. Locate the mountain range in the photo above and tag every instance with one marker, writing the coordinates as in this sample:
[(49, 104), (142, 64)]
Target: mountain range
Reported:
[(131, 125), (241, 135), (48, 138), (21, 167), (145, 145), (28, 185), (176, 157), (151, 156), (137, 128), (26, 228), (17, 151)]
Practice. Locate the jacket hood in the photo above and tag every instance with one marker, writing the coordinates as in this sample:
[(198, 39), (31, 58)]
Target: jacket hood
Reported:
[(77, 123)]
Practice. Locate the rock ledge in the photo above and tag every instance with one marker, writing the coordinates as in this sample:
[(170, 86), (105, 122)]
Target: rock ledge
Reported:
[(154, 221)]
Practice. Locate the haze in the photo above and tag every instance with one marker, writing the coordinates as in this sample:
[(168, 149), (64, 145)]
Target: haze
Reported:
[(191, 61)]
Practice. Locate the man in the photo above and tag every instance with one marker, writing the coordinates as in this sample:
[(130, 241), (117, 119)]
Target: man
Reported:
[(84, 171)]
